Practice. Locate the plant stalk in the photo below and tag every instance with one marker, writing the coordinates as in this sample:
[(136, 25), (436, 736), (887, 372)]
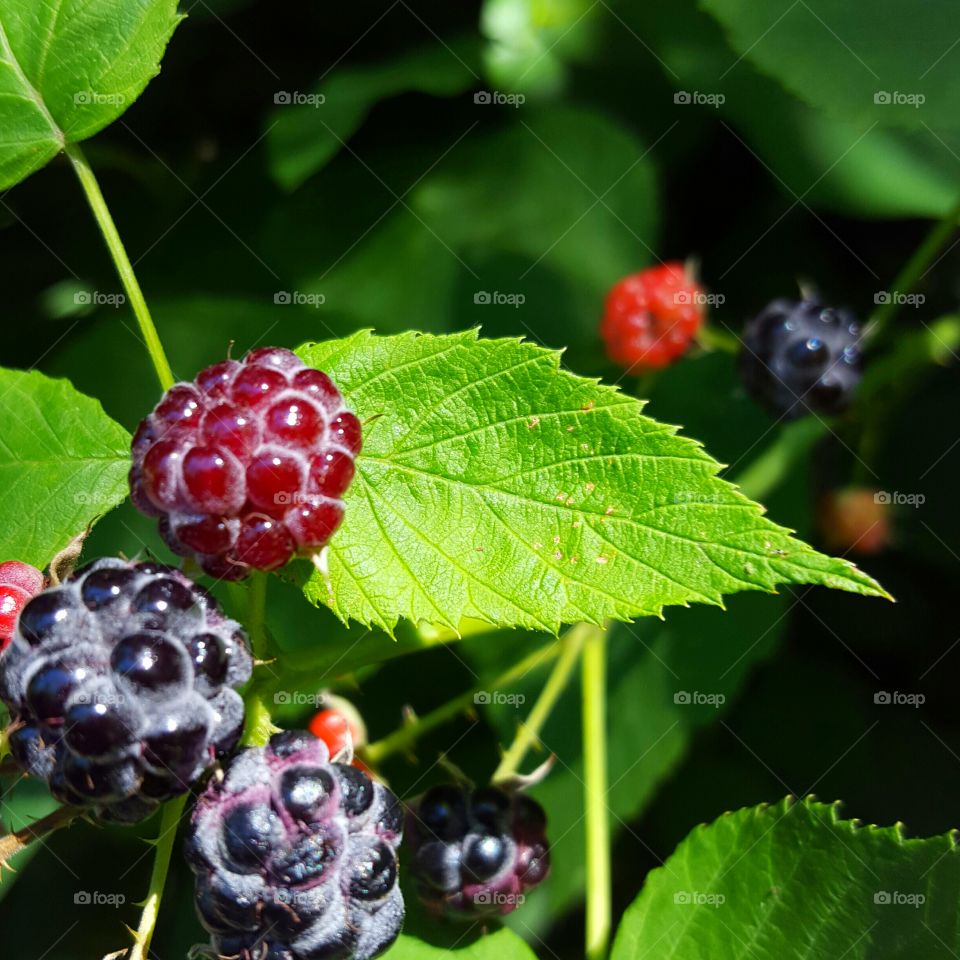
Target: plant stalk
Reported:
[(13, 843), (913, 272), (128, 278), (529, 732), (170, 820), (594, 689), (403, 739)]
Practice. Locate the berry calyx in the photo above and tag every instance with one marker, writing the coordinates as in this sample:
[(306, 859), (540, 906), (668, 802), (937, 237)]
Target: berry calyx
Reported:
[(295, 856), (247, 466), (18, 583), (122, 685), (476, 853), (801, 357), (650, 317)]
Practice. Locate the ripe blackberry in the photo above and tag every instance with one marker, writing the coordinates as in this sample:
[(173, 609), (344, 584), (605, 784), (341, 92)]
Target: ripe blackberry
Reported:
[(121, 685), (295, 856), (650, 317), (476, 854), (18, 583), (801, 357), (247, 466)]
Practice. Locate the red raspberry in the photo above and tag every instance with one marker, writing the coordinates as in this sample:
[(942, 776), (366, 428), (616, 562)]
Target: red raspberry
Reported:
[(18, 583), (651, 316), (246, 467)]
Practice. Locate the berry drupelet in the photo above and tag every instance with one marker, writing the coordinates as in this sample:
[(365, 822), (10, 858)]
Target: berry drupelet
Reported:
[(18, 583), (295, 856), (246, 467), (121, 683), (476, 853)]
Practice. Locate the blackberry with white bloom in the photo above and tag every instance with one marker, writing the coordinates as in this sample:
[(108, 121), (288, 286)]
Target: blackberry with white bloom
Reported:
[(476, 853), (801, 357), (295, 856), (121, 683)]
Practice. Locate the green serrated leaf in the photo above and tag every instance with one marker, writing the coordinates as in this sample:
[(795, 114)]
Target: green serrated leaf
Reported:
[(897, 66), (63, 463), (70, 67), (494, 485), (501, 944), (794, 880)]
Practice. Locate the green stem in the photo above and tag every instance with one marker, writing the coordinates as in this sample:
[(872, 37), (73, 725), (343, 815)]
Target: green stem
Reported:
[(128, 278), (712, 337), (259, 724), (170, 820), (529, 731), (402, 740), (913, 272), (594, 687), (257, 613)]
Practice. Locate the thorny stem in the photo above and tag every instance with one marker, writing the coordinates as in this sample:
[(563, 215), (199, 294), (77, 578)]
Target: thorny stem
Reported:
[(594, 691), (128, 278), (403, 739), (170, 820), (13, 843), (529, 731)]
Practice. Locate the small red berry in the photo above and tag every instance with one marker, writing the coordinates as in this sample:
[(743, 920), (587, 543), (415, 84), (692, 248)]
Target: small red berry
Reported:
[(856, 520), (340, 726), (18, 583), (650, 317)]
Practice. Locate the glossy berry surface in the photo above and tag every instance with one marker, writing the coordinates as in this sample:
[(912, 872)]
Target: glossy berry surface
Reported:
[(246, 467), (476, 853), (121, 683), (296, 856), (650, 317), (801, 358), (18, 583)]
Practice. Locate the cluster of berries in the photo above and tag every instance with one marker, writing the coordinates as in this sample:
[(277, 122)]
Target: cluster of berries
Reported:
[(123, 682), (795, 357)]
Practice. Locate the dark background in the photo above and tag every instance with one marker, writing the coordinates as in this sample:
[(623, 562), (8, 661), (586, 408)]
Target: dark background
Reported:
[(187, 172)]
